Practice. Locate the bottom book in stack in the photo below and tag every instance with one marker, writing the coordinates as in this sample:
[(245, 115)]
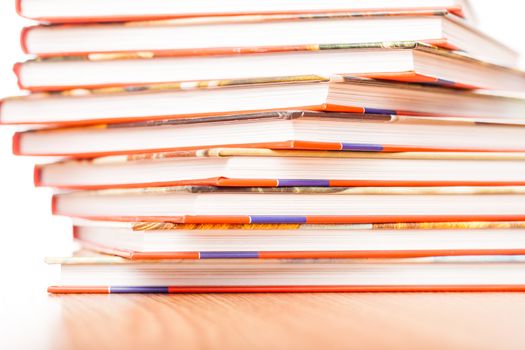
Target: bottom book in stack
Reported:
[(162, 257), (110, 274)]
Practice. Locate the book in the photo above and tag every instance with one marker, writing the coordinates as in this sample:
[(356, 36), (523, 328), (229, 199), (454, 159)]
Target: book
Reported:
[(429, 225), (110, 274), (302, 241), (310, 205), (58, 11), (343, 94), (255, 33), (399, 61), (269, 168), (274, 130)]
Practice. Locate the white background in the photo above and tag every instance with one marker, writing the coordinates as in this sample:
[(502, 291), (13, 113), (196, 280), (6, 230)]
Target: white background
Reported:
[(29, 232)]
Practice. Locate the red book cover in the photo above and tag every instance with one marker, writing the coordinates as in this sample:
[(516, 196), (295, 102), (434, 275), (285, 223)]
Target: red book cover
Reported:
[(229, 8)]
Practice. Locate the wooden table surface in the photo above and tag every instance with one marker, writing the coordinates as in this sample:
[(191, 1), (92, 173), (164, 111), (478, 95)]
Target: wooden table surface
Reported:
[(262, 321)]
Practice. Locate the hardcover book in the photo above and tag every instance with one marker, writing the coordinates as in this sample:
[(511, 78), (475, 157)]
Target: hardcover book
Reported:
[(148, 242), (256, 33), (275, 130), (109, 274), (253, 167), (399, 61), (213, 98), (310, 205), (61, 11)]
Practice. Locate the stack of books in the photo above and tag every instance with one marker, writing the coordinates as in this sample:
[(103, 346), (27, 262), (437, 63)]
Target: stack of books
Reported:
[(231, 146)]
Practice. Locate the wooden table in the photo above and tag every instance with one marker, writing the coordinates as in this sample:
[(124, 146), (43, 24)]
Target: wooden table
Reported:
[(262, 321)]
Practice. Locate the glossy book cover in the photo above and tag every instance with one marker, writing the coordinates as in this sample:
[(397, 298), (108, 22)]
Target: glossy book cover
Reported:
[(452, 274), (253, 167)]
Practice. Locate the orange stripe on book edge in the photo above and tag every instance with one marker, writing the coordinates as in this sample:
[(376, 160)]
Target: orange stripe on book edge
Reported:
[(78, 290), (370, 219), (18, 7), (413, 77), (305, 289), (75, 231), (419, 183), (404, 218), (54, 204), (444, 43), (17, 139), (365, 288), (346, 109), (378, 254), (409, 76), (23, 39), (171, 219), (217, 219), (247, 182), (456, 10), (17, 67), (311, 145), (434, 149), (37, 175), (164, 255)]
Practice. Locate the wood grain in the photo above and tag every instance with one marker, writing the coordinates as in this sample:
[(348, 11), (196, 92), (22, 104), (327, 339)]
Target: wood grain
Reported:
[(281, 321)]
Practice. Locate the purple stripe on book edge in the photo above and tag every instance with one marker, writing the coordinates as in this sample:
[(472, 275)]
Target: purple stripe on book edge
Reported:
[(445, 82), (229, 255), (300, 183), (132, 289), (277, 219), (379, 111), (363, 147)]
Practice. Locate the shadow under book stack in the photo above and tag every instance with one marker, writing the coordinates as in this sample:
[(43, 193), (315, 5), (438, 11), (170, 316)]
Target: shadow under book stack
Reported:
[(248, 146)]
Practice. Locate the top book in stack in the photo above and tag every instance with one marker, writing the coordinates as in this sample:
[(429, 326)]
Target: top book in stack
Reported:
[(63, 11), (245, 34)]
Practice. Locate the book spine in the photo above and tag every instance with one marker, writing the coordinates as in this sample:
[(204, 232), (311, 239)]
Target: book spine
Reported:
[(37, 176), (17, 138), (17, 68)]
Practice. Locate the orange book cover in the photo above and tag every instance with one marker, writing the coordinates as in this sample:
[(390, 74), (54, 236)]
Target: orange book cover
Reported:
[(332, 254), (19, 138), (77, 168), (458, 8), (285, 289), (61, 204), (410, 76), (439, 42), (428, 274)]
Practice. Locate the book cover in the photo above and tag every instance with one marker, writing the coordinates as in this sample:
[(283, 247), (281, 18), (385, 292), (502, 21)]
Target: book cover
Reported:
[(413, 76), (458, 8), (449, 193), (78, 178), (451, 266), (239, 20)]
